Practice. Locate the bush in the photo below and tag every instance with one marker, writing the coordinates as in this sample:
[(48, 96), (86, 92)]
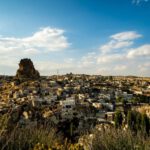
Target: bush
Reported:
[(138, 122), (26, 138), (117, 139)]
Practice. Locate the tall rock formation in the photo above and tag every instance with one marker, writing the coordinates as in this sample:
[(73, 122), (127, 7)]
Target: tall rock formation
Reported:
[(26, 70)]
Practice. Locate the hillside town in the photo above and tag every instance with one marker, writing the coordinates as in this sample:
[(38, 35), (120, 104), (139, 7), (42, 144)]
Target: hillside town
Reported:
[(90, 99)]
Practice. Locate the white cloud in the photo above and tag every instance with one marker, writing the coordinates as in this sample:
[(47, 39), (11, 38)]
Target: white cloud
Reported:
[(144, 69), (115, 70), (103, 71), (69, 60), (51, 67), (109, 58), (138, 1), (45, 40), (125, 36), (112, 45), (50, 39), (31, 51), (119, 58), (87, 60), (142, 51), (120, 40), (120, 68)]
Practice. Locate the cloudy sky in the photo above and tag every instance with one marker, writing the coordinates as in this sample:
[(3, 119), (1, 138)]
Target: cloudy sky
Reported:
[(107, 37)]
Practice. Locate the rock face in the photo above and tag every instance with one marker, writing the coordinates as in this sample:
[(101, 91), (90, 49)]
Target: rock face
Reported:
[(27, 70)]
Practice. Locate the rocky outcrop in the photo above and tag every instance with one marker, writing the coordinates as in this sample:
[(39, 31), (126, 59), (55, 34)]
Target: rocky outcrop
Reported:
[(26, 70)]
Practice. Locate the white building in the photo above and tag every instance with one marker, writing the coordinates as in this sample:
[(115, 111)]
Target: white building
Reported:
[(68, 104)]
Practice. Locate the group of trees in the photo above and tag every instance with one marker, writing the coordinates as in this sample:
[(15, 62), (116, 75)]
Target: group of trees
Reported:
[(135, 100), (136, 121)]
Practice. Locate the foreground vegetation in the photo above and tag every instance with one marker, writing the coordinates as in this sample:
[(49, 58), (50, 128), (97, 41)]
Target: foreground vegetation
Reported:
[(45, 137), (117, 139)]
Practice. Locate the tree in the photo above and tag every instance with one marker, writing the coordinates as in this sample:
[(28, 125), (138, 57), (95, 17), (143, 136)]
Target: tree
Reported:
[(118, 119), (129, 119), (110, 78), (145, 124), (138, 121), (119, 99)]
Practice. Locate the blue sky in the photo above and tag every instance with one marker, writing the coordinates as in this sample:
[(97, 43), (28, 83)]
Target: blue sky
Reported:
[(76, 36)]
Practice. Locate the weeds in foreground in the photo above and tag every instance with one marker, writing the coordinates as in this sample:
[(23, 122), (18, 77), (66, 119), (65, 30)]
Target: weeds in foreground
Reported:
[(117, 139), (45, 138)]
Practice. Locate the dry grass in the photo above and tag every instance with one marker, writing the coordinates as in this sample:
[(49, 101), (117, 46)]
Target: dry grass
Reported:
[(26, 138), (45, 138), (117, 139)]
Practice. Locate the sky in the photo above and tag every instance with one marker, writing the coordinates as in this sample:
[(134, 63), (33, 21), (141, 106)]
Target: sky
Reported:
[(103, 37)]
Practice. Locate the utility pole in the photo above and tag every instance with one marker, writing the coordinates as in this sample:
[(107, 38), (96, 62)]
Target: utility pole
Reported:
[(57, 73)]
